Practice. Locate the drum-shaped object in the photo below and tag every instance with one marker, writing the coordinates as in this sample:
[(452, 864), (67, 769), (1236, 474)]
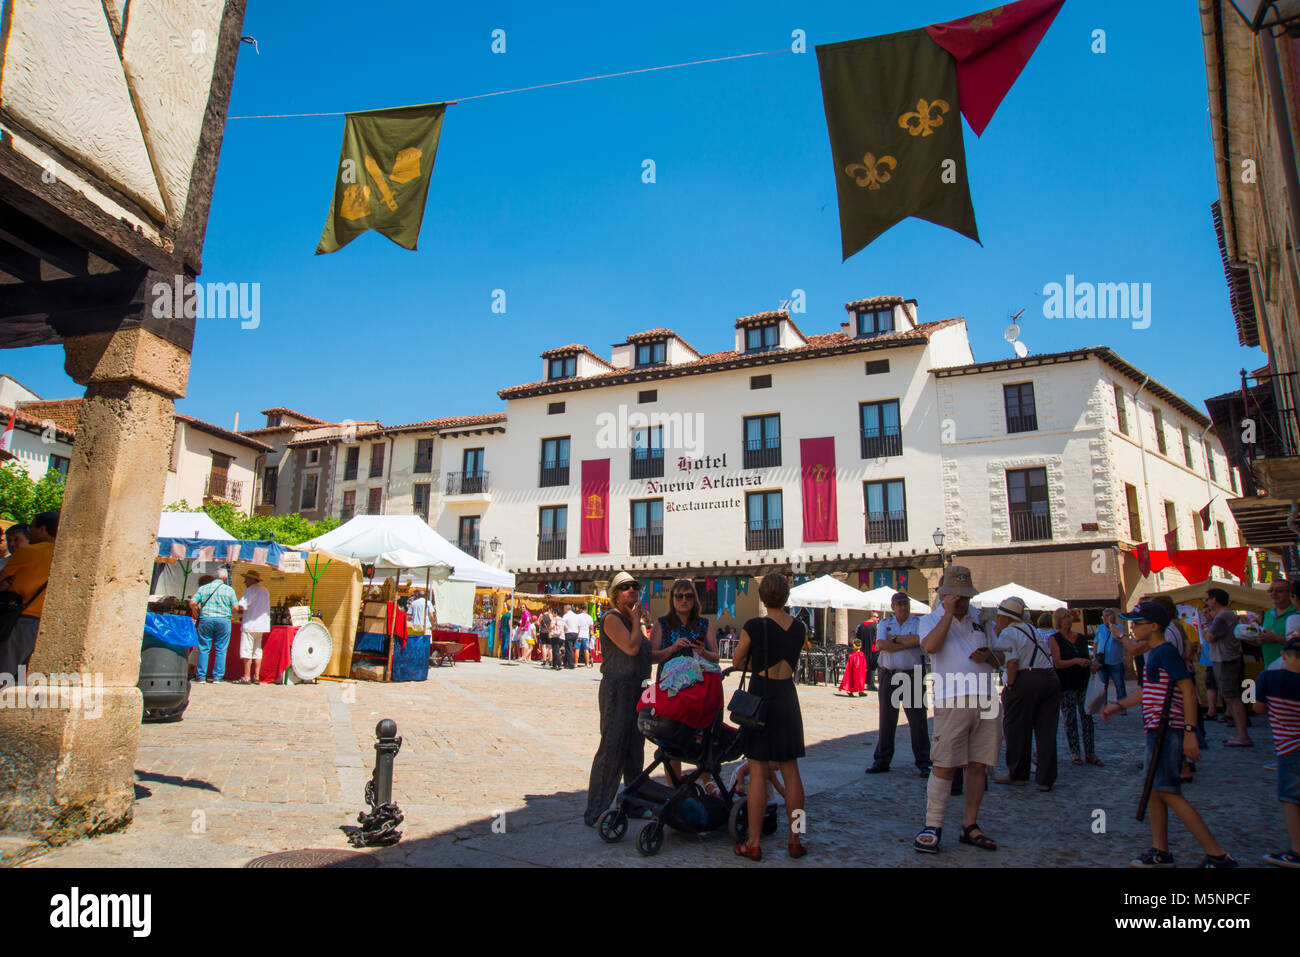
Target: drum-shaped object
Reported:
[(310, 653)]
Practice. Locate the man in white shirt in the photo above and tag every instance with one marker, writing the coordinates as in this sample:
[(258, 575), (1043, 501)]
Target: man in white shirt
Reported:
[(584, 636), (256, 606), (1032, 697), (902, 684), (570, 619), (967, 732), (417, 613)]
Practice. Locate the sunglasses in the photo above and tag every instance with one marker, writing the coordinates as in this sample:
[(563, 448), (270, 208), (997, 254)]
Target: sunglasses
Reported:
[(684, 594), (634, 586)]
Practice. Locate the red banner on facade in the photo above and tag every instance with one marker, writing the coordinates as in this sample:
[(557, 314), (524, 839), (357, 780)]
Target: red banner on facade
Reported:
[(818, 462), (1195, 563), (595, 506)]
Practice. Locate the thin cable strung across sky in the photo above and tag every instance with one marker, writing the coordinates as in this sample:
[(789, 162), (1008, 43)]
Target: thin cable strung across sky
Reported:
[(540, 86)]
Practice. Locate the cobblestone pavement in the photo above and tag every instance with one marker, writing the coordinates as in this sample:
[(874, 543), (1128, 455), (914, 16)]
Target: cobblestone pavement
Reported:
[(253, 770)]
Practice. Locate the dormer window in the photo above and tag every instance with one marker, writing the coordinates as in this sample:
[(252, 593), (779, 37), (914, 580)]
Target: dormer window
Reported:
[(761, 338), (272, 421), (652, 353), (875, 322), (562, 367)]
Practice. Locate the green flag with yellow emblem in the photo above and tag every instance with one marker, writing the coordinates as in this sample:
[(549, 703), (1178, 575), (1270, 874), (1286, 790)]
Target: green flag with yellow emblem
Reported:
[(383, 176), (892, 111)]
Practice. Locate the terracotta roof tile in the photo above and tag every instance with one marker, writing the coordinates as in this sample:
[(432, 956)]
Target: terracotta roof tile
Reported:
[(814, 347), (33, 422), (874, 301), (296, 415), (240, 438), (762, 318), (62, 412)]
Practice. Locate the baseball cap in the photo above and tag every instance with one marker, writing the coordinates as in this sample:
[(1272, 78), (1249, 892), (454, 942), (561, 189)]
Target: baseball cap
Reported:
[(1149, 611), (1291, 644)]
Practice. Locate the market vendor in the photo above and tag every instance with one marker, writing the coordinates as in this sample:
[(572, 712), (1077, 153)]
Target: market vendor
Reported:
[(417, 613), (256, 622)]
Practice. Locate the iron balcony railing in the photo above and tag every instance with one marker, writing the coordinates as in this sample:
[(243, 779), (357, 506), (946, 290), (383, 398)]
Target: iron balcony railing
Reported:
[(762, 454), (218, 486), (553, 473), (646, 541), (1277, 430), (471, 547), (647, 463), (1029, 527), (886, 527), (1022, 423), (552, 545), (467, 483), (764, 537), (881, 443), (350, 471), (268, 493), (424, 463)]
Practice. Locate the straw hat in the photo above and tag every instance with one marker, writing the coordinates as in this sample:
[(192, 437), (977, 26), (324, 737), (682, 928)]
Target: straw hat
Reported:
[(250, 574), (622, 578), (1013, 608), (956, 581)]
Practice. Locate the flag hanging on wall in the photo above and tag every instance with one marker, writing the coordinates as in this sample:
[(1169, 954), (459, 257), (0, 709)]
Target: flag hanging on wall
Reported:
[(727, 596), (595, 507), (817, 463), (893, 106), (382, 180)]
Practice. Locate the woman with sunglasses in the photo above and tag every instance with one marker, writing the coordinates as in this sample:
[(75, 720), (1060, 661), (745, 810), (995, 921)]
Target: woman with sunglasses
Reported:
[(682, 633), (624, 668)]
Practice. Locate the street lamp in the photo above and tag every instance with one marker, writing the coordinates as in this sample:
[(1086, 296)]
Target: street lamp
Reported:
[(495, 545), (938, 543), (1270, 14)]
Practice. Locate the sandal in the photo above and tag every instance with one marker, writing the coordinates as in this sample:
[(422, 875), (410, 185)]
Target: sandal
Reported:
[(981, 840), (796, 849), (1093, 759), (1075, 759), (919, 843), (753, 853)]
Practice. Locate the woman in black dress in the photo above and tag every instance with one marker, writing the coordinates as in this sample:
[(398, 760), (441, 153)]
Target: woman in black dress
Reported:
[(1073, 666), (770, 648)]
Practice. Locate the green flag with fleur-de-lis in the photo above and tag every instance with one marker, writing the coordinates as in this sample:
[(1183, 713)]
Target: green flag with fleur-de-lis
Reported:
[(896, 138), (382, 179)]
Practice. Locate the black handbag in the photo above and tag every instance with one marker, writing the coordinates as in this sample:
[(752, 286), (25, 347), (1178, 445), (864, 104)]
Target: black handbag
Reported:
[(11, 608), (748, 709)]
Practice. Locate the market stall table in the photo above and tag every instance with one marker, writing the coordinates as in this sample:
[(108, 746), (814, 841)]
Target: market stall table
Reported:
[(276, 645), (470, 651)]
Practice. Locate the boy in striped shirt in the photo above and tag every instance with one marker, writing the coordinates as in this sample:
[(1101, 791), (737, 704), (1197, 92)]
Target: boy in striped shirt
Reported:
[(1165, 665), (1278, 695)]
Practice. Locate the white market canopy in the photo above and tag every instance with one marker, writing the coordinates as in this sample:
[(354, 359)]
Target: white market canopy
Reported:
[(1034, 600), (880, 600), (191, 525), (827, 592), (406, 542)]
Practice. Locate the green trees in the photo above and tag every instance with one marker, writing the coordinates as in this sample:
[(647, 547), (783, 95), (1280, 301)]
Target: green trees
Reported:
[(285, 529), (21, 496)]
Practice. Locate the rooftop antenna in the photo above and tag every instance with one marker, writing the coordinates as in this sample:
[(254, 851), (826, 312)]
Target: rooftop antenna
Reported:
[(785, 306), (1012, 335)]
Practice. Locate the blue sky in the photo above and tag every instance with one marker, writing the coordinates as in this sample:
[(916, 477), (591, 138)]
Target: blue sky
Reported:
[(1096, 165)]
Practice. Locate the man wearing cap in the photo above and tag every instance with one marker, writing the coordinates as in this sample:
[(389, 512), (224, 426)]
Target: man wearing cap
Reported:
[(1032, 696), (1225, 653), (967, 732), (901, 684), (624, 669), (256, 622)]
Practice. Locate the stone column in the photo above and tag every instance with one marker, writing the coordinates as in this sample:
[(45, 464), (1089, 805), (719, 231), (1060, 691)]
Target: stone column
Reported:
[(65, 770)]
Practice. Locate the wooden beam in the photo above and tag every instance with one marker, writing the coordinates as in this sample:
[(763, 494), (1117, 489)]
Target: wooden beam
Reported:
[(18, 263)]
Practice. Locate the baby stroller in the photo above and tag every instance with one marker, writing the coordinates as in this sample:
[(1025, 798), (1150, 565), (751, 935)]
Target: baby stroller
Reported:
[(687, 727)]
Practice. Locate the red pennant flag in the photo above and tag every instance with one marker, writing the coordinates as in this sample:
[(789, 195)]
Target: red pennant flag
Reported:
[(991, 50), (820, 523), (1144, 559), (1205, 516), (1171, 540)]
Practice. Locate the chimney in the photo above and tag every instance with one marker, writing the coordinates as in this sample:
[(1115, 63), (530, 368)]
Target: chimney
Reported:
[(236, 428), (846, 328)]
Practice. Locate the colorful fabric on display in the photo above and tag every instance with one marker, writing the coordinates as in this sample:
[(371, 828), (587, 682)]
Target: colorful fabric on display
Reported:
[(882, 579), (742, 585), (710, 584), (902, 581), (385, 164), (657, 588), (817, 464), (595, 506), (800, 579), (864, 578), (727, 596), (892, 112), (695, 706)]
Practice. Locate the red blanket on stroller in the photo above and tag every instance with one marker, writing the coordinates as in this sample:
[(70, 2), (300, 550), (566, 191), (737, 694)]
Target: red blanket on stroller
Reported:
[(695, 706)]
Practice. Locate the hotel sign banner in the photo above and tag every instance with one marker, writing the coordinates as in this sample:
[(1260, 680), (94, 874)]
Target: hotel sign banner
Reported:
[(820, 522), (695, 479), (595, 506)]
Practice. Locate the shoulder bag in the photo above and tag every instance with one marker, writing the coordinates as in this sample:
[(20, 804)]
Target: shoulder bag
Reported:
[(11, 608), (748, 709)]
